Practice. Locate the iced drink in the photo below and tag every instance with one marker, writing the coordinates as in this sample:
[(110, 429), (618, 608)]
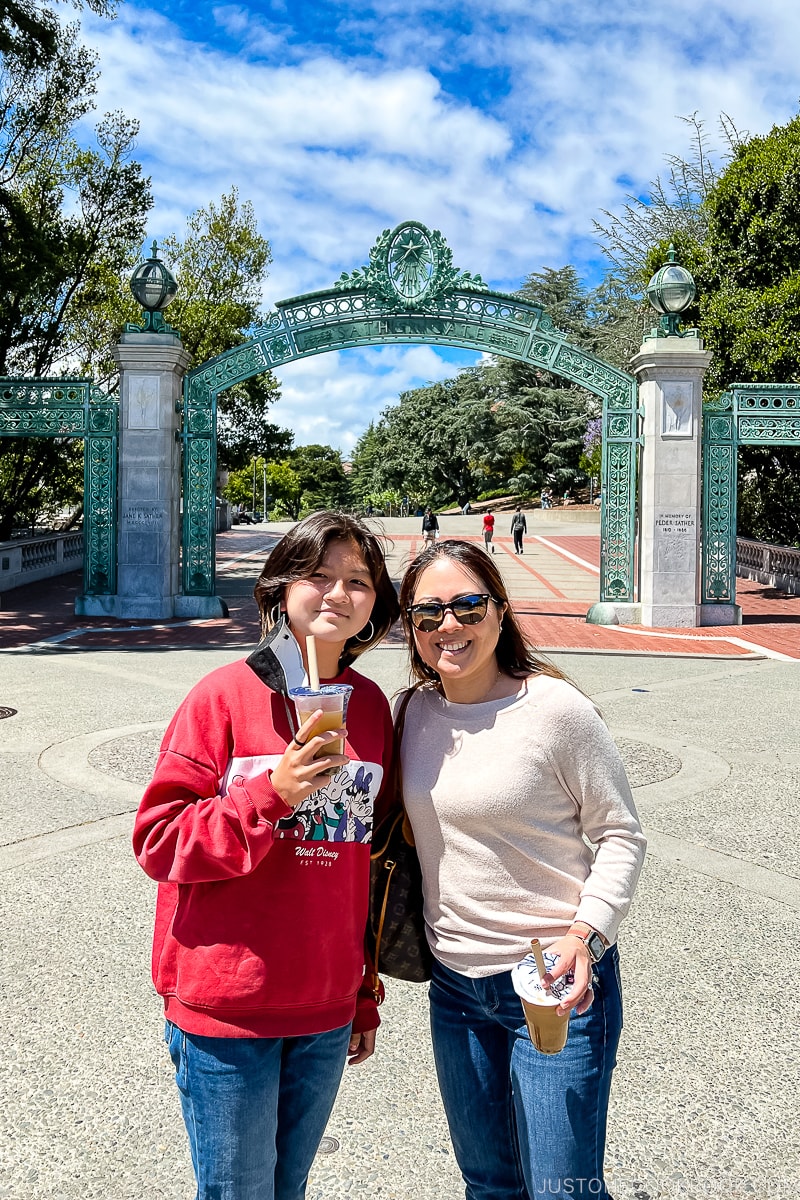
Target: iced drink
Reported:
[(332, 698), (547, 1028)]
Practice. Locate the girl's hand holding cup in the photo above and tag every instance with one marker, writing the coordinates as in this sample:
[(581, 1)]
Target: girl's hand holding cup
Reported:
[(306, 765)]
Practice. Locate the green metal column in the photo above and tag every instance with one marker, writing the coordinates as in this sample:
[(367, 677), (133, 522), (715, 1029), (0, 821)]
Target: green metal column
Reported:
[(199, 534), (100, 460), (719, 501), (618, 502)]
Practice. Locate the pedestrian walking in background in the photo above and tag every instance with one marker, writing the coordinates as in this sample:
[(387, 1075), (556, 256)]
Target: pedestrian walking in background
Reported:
[(488, 531), (519, 527), (259, 938), (509, 772), (430, 527)]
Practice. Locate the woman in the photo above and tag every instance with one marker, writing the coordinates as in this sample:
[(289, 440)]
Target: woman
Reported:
[(246, 825), (506, 766), (430, 527)]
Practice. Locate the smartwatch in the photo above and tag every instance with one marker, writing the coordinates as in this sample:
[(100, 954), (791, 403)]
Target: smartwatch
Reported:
[(592, 941)]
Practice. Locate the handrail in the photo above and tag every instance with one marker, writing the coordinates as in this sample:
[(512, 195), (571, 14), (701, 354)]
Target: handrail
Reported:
[(778, 566), (27, 560)]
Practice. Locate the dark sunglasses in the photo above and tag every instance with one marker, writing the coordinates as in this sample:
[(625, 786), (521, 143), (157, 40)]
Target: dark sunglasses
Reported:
[(467, 610)]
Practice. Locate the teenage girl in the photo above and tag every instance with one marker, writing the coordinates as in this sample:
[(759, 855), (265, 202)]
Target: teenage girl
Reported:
[(263, 873)]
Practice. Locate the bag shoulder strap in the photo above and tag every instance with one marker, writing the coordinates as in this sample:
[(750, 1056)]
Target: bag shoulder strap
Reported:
[(399, 726)]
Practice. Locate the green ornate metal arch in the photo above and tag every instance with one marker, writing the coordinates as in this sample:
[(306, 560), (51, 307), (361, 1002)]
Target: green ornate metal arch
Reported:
[(411, 292), (76, 408), (750, 414)]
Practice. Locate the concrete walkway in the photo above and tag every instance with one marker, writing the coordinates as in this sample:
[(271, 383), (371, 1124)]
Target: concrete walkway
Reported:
[(704, 1103)]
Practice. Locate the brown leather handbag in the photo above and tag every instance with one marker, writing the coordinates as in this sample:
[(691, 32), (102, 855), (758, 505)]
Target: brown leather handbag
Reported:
[(396, 928)]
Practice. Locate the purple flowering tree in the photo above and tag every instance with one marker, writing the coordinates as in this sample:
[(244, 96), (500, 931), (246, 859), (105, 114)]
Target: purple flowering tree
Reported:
[(592, 448)]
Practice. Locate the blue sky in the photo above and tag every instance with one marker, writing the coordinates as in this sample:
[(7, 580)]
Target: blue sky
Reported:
[(507, 124)]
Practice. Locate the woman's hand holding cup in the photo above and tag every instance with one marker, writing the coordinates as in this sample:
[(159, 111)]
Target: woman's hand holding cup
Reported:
[(572, 956)]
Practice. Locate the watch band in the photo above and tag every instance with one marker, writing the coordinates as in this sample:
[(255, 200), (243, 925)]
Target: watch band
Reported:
[(592, 940)]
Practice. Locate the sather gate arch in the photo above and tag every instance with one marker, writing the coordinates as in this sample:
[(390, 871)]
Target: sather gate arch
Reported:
[(410, 292)]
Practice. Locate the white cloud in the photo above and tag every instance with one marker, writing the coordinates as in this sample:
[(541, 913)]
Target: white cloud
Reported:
[(507, 125), (331, 398)]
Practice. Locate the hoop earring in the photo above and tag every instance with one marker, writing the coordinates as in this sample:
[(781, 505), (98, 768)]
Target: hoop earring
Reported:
[(371, 635), (274, 615)]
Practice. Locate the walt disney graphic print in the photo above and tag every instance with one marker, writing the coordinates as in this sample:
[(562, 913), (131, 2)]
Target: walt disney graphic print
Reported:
[(342, 811)]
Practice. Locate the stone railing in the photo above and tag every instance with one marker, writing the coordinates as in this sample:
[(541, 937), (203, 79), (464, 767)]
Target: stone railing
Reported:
[(778, 566), (26, 560)]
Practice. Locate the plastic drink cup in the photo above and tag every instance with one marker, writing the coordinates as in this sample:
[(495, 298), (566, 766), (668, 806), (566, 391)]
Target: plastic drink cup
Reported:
[(332, 698), (548, 1030)]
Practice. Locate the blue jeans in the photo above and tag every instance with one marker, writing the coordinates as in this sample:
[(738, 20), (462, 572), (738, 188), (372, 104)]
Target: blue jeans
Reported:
[(256, 1109), (524, 1125)]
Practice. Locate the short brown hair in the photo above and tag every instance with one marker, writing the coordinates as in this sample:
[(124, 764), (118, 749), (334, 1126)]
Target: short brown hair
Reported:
[(515, 655), (299, 553)]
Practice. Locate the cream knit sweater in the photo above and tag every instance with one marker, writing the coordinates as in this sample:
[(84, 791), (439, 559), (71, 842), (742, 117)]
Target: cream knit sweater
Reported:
[(503, 798)]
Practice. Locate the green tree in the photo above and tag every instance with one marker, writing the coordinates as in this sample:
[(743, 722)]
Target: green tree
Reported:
[(286, 490), (750, 279), (239, 488), (542, 417), (736, 227), (434, 443), (71, 218), (221, 265), (750, 310), (322, 480), (29, 31), (365, 464)]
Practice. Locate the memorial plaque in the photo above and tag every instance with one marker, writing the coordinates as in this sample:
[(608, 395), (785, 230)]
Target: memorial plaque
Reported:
[(676, 408), (143, 402), (142, 516), (676, 540)]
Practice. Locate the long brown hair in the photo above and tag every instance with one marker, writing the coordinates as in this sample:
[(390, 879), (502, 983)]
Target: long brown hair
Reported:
[(299, 553), (515, 655)]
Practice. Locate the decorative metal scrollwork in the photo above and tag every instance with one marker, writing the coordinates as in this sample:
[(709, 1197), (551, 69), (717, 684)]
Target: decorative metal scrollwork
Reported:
[(749, 414), (766, 397), (199, 468), (409, 265), (719, 523), (76, 408), (769, 430), (100, 500), (721, 403), (616, 558)]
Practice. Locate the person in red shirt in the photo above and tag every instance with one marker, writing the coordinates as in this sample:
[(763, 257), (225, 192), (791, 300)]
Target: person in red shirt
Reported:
[(488, 531), (260, 841)]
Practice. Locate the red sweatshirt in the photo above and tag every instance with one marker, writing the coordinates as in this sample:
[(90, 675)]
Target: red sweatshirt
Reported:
[(261, 908)]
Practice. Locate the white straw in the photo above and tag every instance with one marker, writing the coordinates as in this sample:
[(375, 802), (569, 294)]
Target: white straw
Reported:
[(313, 668)]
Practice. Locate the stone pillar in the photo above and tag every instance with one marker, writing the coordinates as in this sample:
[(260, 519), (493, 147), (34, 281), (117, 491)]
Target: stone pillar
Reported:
[(152, 366), (670, 372)]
